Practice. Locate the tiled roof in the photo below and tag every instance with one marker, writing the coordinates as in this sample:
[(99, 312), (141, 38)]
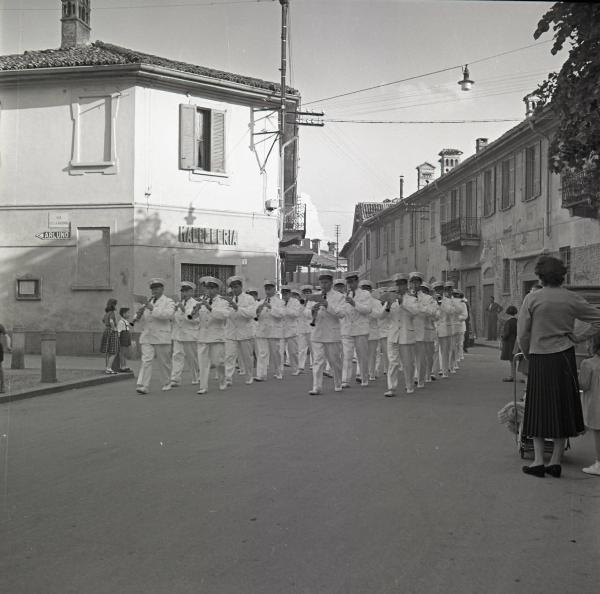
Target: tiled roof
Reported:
[(450, 151), (365, 210), (102, 54)]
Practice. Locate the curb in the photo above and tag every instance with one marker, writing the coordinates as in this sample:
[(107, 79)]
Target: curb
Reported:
[(64, 386), (491, 345)]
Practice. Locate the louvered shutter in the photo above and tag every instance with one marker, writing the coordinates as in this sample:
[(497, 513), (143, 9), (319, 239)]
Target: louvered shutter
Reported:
[(537, 170), (520, 183), (498, 193), (479, 195), (217, 141), (187, 140), (511, 181)]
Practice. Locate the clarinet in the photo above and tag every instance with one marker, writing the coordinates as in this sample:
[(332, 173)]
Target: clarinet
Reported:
[(316, 313), (267, 300), (141, 310)]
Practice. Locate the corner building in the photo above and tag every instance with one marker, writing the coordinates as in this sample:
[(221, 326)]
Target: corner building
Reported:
[(117, 166), (485, 222)]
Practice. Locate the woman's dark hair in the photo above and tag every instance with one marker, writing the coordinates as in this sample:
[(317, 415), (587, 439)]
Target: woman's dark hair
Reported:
[(111, 305), (511, 310), (123, 310), (551, 271)]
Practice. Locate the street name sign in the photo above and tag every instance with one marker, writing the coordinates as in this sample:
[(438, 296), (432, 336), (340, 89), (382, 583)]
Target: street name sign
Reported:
[(53, 235)]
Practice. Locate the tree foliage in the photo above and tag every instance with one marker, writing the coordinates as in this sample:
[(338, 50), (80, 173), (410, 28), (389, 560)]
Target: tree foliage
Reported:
[(574, 92)]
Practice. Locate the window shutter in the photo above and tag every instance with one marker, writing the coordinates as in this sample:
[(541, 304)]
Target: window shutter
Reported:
[(187, 141), (537, 170), (511, 181), (217, 141), (520, 182), (479, 199), (498, 194)]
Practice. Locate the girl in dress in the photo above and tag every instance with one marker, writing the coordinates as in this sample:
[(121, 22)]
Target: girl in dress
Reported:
[(589, 382), (110, 337), (509, 337)]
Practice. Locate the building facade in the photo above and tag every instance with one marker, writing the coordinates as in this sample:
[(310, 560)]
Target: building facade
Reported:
[(485, 222), (118, 166)]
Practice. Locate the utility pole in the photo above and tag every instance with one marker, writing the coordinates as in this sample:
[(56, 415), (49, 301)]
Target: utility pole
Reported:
[(337, 247)]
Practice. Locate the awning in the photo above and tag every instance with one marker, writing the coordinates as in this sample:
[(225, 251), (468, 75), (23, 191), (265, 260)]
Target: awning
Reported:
[(295, 255), (321, 261)]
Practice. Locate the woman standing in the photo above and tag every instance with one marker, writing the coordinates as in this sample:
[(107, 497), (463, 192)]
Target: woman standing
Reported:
[(493, 309), (545, 333), (110, 337), (509, 337)]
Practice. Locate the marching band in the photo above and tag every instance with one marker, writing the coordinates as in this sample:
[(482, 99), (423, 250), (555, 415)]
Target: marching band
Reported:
[(413, 333)]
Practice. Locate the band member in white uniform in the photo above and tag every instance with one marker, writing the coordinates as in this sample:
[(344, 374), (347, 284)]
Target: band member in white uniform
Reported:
[(326, 337), (381, 366), (339, 285), (374, 317), (212, 312), (432, 308), (269, 332), (401, 308), (445, 328), (239, 331), (185, 337), (156, 316), (357, 309), (458, 328), (304, 346), (292, 311)]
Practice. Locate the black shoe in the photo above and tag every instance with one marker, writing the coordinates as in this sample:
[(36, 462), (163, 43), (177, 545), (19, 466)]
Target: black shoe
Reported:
[(433, 378), (553, 470), (539, 470)]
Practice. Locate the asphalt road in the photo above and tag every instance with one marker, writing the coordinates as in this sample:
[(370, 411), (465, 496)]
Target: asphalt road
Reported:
[(266, 490)]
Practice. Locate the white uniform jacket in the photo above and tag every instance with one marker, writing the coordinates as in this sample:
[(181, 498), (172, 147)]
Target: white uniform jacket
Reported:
[(327, 324), (304, 326), (401, 317), (459, 316), (374, 317), (292, 311), (384, 324), (464, 314), (240, 323), (445, 325), (184, 329), (157, 323), (425, 321), (359, 313), (270, 321), (211, 324)]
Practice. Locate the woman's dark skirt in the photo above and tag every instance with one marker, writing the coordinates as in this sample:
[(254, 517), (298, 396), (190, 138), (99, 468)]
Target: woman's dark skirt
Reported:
[(508, 347), (553, 405), (110, 341)]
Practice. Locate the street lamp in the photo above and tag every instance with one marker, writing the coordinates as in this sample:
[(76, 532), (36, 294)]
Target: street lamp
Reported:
[(466, 83)]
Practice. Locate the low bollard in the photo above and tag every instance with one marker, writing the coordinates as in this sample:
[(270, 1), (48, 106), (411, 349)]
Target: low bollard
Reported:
[(18, 348), (48, 358)]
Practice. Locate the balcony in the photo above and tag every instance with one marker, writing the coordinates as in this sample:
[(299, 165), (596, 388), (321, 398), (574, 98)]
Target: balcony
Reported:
[(294, 223), (579, 196), (461, 232)]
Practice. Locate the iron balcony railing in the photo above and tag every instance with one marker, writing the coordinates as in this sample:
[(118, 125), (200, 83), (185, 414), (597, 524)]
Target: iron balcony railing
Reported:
[(578, 190), (462, 229), (295, 218)]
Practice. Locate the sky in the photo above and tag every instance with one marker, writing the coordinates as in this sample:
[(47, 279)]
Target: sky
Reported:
[(338, 46)]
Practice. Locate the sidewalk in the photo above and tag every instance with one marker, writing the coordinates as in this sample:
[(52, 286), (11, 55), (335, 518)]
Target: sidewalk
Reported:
[(71, 372)]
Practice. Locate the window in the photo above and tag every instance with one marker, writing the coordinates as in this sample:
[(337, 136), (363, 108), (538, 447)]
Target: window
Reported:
[(470, 200), (423, 227), (564, 253), (358, 259), (201, 139), (28, 288), (443, 214), (506, 276), (194, 272), (386, 239), (533, 171), (377, 243), (393, 235), (368, 247), (489, 204), (412, 223), (432, 222), (507, 183), (454, 205), (93, 259)]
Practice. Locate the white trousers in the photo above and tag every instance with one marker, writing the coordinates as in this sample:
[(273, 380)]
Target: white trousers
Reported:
[(330, 352), (241, 351), (291, 344), (430, 355), (421, 361), (381, 366), (268, 356), (372, 350), (211, 353), (347, 356), (455, 350), (361, 346), (162, 352), (401, 356), (304, 348), (184, 350), (445, 353)]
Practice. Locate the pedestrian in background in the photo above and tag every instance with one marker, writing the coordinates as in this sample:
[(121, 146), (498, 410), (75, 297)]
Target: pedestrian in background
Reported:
[(545, 331), (124, 331), (589, 382), (4, 346), (109, 344), (493, 309), (508, 339)]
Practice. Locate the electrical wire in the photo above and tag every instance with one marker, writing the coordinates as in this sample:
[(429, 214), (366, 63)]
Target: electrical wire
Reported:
[(498, 120), (142, 6), (417, 76)]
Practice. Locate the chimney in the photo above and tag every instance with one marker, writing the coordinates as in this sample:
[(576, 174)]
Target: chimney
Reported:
[(315, 245), (401, 187), (331, 248), (75, 23), (480, 144), (306, 243), (530, 105)]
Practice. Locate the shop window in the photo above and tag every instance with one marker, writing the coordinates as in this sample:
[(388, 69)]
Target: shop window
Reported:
[(201, 139), (93, 259), (194, 272), (28, 288)]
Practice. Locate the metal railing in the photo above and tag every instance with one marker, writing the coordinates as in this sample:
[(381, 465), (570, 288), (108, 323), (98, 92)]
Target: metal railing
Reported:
[(577, 190), (461, 229), (295, 218)]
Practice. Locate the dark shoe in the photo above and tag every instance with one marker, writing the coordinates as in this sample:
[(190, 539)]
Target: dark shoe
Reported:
[(507, 379), (553, 470), (539, 470)]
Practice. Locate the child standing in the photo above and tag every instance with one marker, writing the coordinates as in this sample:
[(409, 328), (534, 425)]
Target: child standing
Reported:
[(589, 382), (110, 338), (509, 336), (124, 329)]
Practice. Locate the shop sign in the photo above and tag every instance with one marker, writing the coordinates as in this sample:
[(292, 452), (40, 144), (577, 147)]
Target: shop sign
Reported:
[(53, 235), (208, 236), (59, 220)]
